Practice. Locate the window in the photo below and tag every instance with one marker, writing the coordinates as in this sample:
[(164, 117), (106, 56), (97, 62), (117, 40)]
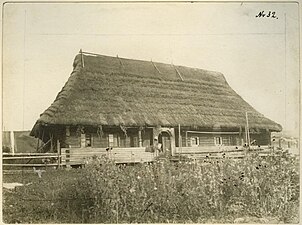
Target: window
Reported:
[(194, 141), (113, 140), (110, 137), (218, 141), (88, 140)]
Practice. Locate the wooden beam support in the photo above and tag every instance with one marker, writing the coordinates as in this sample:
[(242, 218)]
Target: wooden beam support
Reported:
[(140, 142), (82, 58), (51, 142), (179, 139), (156, 67), (59, 153), (186, 138), (178, 73), (209, 132), (44, 145)]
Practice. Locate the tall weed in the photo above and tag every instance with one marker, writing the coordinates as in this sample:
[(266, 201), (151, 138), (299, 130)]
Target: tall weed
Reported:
[(162, 192)]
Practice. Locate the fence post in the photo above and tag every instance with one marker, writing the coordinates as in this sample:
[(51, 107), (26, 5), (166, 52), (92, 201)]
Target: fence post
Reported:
[(59, 153), (67, 155)]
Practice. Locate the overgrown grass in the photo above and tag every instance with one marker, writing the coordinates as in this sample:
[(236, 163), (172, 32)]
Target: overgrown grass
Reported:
[(184, 192)]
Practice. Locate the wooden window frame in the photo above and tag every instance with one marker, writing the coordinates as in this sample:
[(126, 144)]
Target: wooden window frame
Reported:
[(194, 141), (220, 140), (88, 139)]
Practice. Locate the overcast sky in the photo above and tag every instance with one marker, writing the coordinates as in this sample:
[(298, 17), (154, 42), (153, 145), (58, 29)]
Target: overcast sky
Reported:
[(258, 56)]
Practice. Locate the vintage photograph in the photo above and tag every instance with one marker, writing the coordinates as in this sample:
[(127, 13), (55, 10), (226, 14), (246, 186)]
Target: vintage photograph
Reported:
[(150, 112)]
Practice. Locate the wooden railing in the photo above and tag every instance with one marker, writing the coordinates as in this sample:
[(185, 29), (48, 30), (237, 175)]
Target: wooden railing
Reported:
[(221, 151), (209, 149), (25, 159), (78, 156)]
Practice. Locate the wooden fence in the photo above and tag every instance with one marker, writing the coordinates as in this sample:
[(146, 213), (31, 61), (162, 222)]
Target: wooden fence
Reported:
[(76, 156), (222, 151), (26, 159), (79, 156)]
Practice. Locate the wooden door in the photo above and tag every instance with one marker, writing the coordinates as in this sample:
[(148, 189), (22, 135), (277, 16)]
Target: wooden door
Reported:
[(165, 140)]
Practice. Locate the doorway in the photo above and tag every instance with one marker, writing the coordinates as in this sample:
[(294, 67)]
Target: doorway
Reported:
[(164, 138)]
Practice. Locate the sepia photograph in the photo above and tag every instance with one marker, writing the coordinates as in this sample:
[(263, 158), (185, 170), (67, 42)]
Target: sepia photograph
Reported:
[(150, 112)]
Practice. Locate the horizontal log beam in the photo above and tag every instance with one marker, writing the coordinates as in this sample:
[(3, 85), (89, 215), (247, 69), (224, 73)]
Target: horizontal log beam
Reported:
[(30, 165), (31, 157), (27, 154)]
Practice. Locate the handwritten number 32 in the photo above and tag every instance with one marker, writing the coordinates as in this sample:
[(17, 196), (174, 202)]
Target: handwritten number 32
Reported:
[(269, 14)]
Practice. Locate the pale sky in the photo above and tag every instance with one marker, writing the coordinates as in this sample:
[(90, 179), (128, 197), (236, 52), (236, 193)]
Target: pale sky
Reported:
[(258, 56)]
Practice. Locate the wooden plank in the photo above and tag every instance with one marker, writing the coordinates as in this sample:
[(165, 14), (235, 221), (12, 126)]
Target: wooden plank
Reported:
[(134, 154), (30, 165), (31, 157), (207, 150), (219, 149), (213, 132), (18, 171), (233, 154), (27, 154)]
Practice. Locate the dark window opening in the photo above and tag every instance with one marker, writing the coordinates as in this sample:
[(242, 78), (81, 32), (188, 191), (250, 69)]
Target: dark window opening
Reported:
[(88, 140)]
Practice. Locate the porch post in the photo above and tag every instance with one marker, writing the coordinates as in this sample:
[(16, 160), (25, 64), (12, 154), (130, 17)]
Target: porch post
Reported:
[(51, 142), (83, 141), (172, 138), (140, 144), (179, 140), (186, 139)]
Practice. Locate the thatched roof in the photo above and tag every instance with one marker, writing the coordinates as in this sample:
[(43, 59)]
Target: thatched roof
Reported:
[(117, 91)]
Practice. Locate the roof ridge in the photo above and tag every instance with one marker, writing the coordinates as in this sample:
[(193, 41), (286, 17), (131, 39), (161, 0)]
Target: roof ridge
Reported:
[(118, 57)]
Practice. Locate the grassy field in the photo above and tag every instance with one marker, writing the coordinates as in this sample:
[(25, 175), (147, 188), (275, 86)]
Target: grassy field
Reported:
[(253, 190)]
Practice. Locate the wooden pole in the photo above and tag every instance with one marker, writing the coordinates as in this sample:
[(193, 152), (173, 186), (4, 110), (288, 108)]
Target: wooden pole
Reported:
[(51, 142), (140, 138), (59, 153), (179, 139), (178, 73), (186, 138), (44, 145), (246, 137), (155, 67), (12, 141), (247, 130), (82, 58)]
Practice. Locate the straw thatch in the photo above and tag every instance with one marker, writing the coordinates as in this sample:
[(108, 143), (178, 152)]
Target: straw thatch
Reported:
[(116, 91)]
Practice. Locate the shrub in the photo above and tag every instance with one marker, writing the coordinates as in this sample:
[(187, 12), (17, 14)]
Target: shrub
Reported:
[(185, 192), (6, 149), (193, 191)]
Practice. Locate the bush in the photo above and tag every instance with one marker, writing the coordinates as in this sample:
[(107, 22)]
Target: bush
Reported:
[(193, 191), (6, 149), (163, 191)]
